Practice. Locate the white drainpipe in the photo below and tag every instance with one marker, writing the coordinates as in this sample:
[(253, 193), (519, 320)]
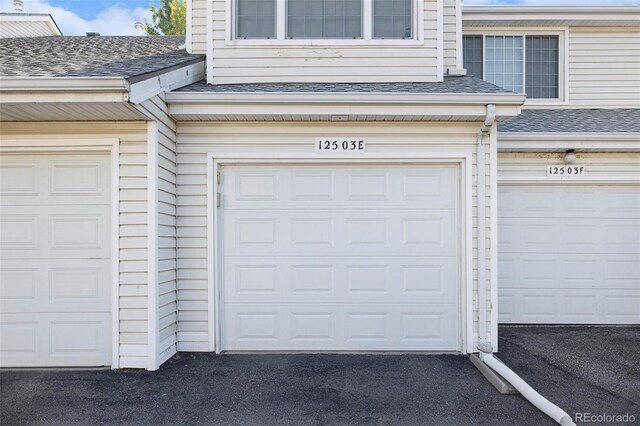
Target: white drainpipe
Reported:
[(484, 343)]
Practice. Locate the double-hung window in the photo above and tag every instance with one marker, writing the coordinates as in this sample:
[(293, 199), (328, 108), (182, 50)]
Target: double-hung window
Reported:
[(519, 63), (325, 19)]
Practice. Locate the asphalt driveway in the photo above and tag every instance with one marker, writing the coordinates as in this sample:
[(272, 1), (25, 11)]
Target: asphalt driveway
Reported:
[(332, 389), (581, 369), (268, 390)]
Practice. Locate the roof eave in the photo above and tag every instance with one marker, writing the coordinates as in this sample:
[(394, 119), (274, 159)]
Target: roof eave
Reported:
[(217, 98)]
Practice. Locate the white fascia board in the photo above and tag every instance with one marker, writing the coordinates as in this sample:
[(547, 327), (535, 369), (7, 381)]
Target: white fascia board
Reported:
[(208, 98), (547, 15), (63, 89), (468, 112), (556, 142), (171, 80)]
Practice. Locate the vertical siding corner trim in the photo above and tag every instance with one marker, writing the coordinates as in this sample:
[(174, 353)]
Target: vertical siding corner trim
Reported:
[(153, 314)]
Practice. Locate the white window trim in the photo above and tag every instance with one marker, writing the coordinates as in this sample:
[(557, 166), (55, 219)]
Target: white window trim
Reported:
[(563, 58), (367, 30)]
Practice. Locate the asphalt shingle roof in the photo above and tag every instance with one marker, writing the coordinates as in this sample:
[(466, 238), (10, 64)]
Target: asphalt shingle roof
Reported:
[(625, 120), (449, 85), (101, 56)]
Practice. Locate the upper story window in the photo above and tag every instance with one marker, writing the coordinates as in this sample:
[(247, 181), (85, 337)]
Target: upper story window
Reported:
[(325, 19), (256, 18), (392, 19), (528, 63)]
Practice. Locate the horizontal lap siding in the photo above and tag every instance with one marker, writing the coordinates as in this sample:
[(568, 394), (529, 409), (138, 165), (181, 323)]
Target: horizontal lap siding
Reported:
[(290, 63), (195, 140), (133, 221), (604, 67), (450, 33), (199, 26), (166, 222)]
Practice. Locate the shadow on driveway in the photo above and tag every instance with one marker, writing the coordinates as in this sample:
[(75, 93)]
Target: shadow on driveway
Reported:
[(267, 390), (581, 369)]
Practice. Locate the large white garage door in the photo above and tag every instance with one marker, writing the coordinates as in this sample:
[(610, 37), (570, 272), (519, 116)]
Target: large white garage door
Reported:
[(55, 267), (340, 258), (569, 254)]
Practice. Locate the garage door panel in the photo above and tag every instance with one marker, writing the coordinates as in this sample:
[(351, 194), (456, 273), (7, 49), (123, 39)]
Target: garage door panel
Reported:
[(569, 271), (55, 273), (576, 260), (337, 278), (570, 200), (78, 285), (340, 258), (569, 235), (54, 231), (368, 232), (325, 327), (54, 180), (56, 340), (599, 306), (340, 187)]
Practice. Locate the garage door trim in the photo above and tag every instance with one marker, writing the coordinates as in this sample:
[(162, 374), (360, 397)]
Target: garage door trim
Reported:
[(215, 161), (86, 146)]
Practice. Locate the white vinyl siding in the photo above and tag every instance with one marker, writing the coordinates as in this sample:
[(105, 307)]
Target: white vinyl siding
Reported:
[(195, 140), (604, 67), (250, 61), (450, 33), (198, 26), (10, 29), (133, 313), (166, 271)]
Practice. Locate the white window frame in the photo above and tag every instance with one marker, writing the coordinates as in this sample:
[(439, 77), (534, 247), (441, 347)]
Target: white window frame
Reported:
[(563, 58), (367, 30)]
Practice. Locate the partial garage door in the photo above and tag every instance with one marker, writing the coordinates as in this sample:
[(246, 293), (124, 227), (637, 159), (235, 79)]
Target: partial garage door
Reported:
[(569, 254), (55, 267), (340, 258)]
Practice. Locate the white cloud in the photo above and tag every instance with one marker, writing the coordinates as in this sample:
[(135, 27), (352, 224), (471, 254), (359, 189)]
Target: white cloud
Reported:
[(115, 20)]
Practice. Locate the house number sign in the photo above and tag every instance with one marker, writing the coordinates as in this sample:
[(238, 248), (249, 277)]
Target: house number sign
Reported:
[(565, 171), (340, 145)]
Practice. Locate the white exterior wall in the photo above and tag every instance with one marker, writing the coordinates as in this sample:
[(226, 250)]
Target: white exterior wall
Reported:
[(604, 67), (133, 336), (25, 28), (524, 167), (198, 26), (451, 32), (163, 148), (195, 140), (251, 61)]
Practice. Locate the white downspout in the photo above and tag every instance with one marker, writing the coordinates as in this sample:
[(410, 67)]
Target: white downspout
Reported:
[(484, 342)]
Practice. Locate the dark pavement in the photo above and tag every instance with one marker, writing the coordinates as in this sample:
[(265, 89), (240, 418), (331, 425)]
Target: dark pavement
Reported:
[(325, 389)]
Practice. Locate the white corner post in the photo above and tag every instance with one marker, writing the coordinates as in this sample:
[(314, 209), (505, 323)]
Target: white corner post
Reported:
[(153, 314)]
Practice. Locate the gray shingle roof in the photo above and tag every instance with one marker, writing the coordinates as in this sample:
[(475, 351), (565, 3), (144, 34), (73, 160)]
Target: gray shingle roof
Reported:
[(574, 121), (90, 56), (449, 85)]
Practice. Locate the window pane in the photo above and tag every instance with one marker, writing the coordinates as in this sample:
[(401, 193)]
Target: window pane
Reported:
[(472, 54), (392, 19), (504, 62), (542, 67), (256, 18), (324, 18)]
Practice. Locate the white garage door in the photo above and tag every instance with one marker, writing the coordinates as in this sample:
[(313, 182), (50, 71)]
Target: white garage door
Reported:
[(55, 267), (569, 254), (340, 258)]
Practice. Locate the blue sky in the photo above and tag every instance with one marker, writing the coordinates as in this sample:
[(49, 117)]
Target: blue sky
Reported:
[(109, 17)]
